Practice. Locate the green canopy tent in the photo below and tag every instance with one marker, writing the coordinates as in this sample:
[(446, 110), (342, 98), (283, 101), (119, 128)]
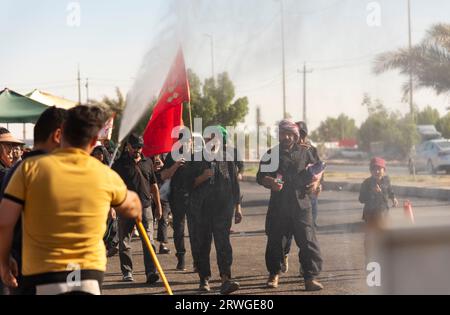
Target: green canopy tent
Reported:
[(16, 108)]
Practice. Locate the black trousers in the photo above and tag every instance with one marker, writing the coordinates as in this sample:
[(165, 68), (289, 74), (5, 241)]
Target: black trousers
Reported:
[(299, 224), (214, 220), (126, 227), (179, 204), (163, 223)]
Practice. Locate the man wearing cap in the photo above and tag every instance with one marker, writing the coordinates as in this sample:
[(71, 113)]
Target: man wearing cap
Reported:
[(7, 143), (290, 207), (139, 176)]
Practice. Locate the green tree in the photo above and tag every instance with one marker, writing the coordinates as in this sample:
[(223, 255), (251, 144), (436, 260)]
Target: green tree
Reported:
[(428, 116), (335, 129), (397, 132), (215, 102), (429, 61), (443, 126)]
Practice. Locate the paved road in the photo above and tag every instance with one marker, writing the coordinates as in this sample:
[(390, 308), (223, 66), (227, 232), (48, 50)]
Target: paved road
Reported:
[(339, 234)]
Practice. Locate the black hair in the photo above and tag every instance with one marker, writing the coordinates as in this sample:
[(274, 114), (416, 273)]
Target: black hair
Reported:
[(3, 131), (83, 123), (49, 121)]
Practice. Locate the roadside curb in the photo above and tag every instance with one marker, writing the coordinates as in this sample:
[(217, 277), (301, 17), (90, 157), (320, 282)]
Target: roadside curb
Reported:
[(402, 191)]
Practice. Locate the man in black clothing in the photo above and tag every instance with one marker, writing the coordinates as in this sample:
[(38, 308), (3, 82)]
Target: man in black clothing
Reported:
[(180, 188), (215, 199), (138, 174), (290, 207), (312, 157), (47, 137), (163, 222)]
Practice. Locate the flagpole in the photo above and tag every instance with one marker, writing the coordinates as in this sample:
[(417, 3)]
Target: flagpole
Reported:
[(190, 126)]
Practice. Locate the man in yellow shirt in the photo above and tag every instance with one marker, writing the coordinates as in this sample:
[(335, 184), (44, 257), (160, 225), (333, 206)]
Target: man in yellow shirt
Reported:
[(64, 198)]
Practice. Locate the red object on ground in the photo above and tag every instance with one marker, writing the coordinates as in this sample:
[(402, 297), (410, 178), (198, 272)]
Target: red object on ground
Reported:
[(407, 207), (168, 110)]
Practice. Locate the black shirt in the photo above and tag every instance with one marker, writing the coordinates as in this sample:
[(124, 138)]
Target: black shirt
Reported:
[(3, 171), (180, 181), (222, 188), (292, 166), (138, 177)]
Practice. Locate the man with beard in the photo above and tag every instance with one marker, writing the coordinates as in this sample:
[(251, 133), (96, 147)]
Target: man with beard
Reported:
[(290, 207), (312, 157), (138, 174)]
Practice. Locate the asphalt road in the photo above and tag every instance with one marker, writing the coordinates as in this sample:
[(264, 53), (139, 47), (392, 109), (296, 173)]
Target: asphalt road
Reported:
[(340, 236)]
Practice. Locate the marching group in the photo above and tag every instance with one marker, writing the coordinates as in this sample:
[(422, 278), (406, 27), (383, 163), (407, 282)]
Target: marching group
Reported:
[(59, 199)]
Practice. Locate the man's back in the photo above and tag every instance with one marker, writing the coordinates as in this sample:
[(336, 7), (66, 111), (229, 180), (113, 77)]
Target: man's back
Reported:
[(68, 196)]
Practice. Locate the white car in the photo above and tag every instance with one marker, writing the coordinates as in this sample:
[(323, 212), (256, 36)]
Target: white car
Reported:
[(352, 154), (431, 156)]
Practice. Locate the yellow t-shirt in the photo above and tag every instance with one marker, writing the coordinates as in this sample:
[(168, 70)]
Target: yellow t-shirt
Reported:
[(66, 197)]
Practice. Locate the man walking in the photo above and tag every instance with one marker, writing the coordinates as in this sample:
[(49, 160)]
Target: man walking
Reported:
[(311, 158), (180, 187), (64, 199), (290, 208), (139, 176), (214, 200)]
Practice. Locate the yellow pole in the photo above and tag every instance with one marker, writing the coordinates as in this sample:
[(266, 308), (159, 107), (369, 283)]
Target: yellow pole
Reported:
[(144, 235)]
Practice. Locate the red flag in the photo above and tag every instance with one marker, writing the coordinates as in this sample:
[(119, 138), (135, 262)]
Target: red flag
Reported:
[(168, 110)]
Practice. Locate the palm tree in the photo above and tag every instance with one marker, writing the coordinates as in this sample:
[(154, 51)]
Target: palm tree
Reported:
[(429, 61)]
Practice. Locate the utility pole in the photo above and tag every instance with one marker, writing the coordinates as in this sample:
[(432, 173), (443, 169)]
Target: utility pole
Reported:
[(87, 91), (283, 48), (211, 38), (79, 85), (258, 124), (304, 72), (411, 92)]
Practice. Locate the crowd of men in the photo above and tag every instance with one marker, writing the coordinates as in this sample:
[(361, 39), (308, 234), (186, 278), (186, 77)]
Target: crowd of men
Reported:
[(64, 209)]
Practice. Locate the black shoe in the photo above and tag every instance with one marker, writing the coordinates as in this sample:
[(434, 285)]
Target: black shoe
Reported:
[(229, 287), (152, 278), (112, 252), (204, 285), (163, 249), (181, 263)]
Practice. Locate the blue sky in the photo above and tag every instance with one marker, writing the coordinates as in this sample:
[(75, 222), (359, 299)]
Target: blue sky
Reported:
[(39, 49)]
